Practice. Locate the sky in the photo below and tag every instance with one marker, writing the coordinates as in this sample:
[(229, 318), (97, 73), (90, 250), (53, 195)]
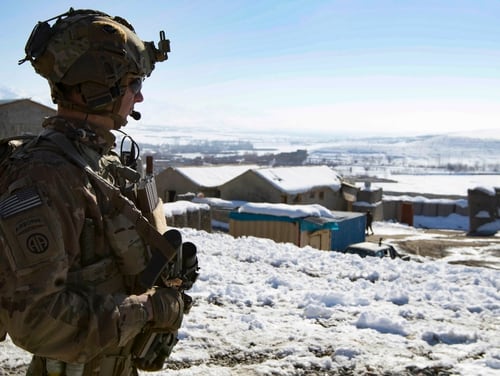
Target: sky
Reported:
[(331, 67), (263, 308)]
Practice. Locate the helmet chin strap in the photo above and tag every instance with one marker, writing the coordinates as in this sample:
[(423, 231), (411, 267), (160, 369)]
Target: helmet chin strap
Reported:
[(118, 120)]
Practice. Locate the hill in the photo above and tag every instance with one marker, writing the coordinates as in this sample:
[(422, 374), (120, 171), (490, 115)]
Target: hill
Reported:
[(474, 152)]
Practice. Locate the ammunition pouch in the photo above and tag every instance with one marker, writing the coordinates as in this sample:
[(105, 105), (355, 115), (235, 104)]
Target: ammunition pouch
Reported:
[(129, 250), (102, 276), (152, 348)]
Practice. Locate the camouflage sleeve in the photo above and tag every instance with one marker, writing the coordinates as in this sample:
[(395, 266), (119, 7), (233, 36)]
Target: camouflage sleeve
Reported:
[(41, 220)]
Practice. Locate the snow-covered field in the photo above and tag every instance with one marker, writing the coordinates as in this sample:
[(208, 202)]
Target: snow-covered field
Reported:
[(263, 308), (439, 184)]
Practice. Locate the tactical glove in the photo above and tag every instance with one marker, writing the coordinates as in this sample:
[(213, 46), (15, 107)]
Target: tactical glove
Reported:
[(188, 303), (168, 308)]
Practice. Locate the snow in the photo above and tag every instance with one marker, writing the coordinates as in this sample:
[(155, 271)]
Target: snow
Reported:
[(295, 180), (441, 184), (286, 210), (213, 176), (490, 227), (218, 202), (182, 206), (460, 202), (482, 214), (266, 308), (263, 308), (450, 222)]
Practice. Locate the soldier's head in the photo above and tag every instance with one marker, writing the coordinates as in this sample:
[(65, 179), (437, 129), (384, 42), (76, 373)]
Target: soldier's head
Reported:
[(99, 59)]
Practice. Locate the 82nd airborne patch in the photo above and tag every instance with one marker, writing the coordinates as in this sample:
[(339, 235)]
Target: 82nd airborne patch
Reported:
[(31, 230)]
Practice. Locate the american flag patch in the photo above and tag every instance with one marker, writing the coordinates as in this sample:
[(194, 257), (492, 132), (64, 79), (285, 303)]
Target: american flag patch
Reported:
[(20, 201)]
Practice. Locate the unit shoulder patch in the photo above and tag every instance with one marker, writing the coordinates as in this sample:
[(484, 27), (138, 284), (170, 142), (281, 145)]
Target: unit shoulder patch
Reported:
[(31, 230)]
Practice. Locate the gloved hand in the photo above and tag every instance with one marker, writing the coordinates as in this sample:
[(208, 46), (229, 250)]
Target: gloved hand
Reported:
[(188, 303), (168, 308)]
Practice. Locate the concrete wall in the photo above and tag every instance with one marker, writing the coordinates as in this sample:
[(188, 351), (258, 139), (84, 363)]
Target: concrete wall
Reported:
[(392, 209), (282, 232), (324, 196), (251, 187), (484, 208), (370, 196), (377, 209), (170, 184), (200, 219), (368, 199)]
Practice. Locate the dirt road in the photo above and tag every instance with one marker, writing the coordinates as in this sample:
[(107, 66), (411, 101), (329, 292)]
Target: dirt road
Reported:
[(455, 247)]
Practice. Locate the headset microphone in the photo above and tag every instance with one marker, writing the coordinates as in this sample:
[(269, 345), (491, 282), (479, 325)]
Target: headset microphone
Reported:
[(136, 115)]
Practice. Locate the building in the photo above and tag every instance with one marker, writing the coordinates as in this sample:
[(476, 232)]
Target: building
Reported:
[(484, 210), (188, 214), (350, 229), (290, 185), (174, 182), (22, 116), (302, 225), (369, 199)]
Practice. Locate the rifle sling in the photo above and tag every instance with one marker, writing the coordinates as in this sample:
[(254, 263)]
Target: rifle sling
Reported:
[(144, 228)]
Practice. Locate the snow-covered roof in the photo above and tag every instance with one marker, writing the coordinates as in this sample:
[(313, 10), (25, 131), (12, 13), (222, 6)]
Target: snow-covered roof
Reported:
[(219, 202), (213, 176), (286, 210), (293, 180), (181, 207)]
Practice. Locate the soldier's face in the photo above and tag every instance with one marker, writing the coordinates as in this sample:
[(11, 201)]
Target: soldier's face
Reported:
[(132, 96)]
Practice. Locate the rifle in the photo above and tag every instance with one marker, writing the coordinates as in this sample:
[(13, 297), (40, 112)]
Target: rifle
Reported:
[(151, 348)]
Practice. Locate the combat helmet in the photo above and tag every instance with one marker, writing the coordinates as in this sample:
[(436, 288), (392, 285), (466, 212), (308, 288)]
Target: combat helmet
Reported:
[(94, 53)]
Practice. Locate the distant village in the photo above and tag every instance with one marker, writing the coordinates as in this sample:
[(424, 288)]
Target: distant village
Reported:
[(359, 160), (229, 173), (224, 152), (217, 153)]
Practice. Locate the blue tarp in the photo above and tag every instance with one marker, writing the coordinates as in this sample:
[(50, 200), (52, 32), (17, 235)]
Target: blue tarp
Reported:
[(305, 223)]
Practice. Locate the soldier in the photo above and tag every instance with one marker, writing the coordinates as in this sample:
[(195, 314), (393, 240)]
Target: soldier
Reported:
[(69, 255), (369, 221)]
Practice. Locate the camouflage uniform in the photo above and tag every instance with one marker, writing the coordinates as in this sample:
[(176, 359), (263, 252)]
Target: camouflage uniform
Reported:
[(71, 252), (65, 293)]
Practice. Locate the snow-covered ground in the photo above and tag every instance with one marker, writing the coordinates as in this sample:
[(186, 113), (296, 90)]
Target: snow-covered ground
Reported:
[(263, 308), (439, 184)]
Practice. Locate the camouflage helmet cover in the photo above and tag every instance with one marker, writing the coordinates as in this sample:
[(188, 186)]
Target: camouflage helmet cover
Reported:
[(93, 51)]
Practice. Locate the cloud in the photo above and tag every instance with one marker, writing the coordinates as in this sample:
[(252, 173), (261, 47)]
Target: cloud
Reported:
[(9, 93)]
